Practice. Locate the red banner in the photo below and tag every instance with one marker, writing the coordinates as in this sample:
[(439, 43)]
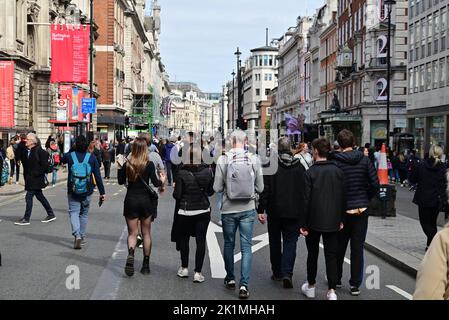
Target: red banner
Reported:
[(6, 94), (70, 53), (66, 93)]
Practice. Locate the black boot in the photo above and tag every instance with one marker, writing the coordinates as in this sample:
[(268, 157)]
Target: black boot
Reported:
[(129, 268), (145, 265)]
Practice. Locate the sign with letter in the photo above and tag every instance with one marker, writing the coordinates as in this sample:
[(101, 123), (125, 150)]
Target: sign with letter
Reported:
[(6, 93), (89, 105)]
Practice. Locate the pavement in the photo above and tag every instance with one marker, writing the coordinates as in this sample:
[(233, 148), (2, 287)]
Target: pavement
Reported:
[(39, 261)]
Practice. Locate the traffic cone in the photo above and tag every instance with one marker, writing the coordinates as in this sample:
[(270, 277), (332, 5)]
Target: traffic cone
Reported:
[(382, 170)]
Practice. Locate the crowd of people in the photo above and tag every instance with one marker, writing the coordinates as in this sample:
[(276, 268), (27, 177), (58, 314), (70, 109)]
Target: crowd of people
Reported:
[(333, 185)]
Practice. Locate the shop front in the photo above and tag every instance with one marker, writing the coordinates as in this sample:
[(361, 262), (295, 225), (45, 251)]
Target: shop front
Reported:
[(335, 122)]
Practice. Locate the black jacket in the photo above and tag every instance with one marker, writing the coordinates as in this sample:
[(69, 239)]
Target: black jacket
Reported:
[(194, 184), (283, 192), (35, 166), (361, 182), (324, 198), (431, 180)]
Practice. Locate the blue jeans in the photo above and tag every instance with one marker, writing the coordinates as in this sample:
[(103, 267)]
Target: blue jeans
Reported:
[(245, 222), (79, 214)]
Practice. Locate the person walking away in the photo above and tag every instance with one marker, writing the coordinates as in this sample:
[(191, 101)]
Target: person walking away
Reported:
[(302, 153), (4, 174), (92, 149), (106, 158), (55, 159), (395, 166), (35, 165), (402, 169), (83, 168), (194, 186), (361, 185), (412, 162), (283, 204), (10, 155), (324, 203), (140, 203), (430, 195), (168, 154), (432, 281), (239, 176)]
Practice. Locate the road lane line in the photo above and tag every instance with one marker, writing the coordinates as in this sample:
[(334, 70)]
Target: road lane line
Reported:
[(116, 194), (401, 292), (109, 282), (346, 259), (215, 258), (114, 184)]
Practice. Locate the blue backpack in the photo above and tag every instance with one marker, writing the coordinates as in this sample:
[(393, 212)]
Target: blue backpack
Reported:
[(80, 175)]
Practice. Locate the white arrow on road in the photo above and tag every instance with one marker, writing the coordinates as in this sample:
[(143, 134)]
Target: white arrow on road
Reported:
[(215, 257)]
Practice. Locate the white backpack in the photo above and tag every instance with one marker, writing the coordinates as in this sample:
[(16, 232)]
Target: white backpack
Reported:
[(240, 177)]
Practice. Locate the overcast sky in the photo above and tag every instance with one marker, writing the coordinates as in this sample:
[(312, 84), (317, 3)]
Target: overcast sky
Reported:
[(199, 37)]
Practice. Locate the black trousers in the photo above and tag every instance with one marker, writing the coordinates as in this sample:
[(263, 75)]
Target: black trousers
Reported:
[(283, 236), (29, 203), (354, 230), (330, 242), (200, 224), (428, 219), (107, 169)]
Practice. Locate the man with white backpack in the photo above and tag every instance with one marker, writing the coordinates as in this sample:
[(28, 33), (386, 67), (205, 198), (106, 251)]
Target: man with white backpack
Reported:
[(239, 176)]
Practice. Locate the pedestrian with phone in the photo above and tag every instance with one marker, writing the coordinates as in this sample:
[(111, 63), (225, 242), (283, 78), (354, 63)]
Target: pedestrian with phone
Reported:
[(141, 201), (83, 169)]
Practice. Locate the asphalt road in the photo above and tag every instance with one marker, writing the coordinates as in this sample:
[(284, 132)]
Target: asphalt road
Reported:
[(39, 262)]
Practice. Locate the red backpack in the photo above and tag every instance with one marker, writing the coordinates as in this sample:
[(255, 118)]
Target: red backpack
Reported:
[(56, 158)]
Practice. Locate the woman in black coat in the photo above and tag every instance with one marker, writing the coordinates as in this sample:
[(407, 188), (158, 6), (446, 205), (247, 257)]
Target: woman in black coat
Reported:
[(139, 205), (430, 196), (193, 187)]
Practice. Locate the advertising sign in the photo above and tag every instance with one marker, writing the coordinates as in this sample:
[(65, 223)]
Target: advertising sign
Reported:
[(69, 53), (6, 94)]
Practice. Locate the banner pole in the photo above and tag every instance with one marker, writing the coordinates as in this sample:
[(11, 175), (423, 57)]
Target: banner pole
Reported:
[(91, 68)]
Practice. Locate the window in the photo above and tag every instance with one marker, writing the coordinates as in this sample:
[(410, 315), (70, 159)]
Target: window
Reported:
[(442, 72), (266, 76), (443, 28), (257, 92), (260, 61), (436, 31), (429, 35), (265, 60), (411, 78), (412, 42), (267, 92), (271, 60), (416, 80), (412, 6), (447, 71), (428, 76), (435, 73), (422, 76)]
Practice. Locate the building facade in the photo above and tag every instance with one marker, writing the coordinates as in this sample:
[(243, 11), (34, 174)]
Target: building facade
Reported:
[(428, 74)]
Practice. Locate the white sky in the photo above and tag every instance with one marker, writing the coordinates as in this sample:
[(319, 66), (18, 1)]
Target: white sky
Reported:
[(199, 37)]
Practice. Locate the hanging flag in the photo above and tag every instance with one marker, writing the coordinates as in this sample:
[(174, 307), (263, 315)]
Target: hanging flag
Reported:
[(69, 53), (7, 94)]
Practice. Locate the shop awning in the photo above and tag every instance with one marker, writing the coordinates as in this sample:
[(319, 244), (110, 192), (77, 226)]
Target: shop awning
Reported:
[(343, 118), (64, 123)]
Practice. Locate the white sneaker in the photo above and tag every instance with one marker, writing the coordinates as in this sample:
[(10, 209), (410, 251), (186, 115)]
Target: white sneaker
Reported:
[(183, 272), (307, 291), (198, 277), (331, 295)]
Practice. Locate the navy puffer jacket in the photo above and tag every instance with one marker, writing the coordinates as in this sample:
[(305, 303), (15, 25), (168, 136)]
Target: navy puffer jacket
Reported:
[(361, 182)]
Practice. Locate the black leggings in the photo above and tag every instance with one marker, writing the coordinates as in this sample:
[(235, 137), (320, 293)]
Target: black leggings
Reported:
[(199, 224), (428, 219)]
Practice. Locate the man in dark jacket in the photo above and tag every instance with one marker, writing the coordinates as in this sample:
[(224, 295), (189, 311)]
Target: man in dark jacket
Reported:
[(168, 164), (35, 165), (282, 202), (324, 203), (361, 184)]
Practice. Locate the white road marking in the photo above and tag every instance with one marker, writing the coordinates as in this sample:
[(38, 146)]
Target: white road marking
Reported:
[(401, 292), (115, 194), (109, 282), (346, 259), (263, 238), (114, 184), (216, 259)]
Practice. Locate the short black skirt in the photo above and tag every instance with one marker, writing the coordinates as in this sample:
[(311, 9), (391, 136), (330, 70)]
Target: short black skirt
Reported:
[(139, 205)]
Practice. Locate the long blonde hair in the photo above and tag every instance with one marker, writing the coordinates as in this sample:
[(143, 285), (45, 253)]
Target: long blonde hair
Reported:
[(436, 152), (138, 160)]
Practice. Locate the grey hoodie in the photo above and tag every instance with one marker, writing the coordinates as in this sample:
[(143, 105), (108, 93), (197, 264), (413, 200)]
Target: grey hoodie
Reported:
[(236, 206)]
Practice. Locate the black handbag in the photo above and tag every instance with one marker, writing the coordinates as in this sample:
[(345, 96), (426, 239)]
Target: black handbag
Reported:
[(153, 194)]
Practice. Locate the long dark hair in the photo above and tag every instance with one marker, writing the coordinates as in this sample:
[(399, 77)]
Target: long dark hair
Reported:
[(138, 159)]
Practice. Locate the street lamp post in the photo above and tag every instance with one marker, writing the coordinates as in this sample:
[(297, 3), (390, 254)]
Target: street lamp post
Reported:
[(239, 94), (389, 4), (233, 97)]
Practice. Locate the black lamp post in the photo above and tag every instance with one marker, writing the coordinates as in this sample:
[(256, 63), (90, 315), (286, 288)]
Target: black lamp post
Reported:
[(233, 98), (389, 4), (239, 88)]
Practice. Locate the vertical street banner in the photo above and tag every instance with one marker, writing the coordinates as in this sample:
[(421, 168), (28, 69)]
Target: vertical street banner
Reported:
[(75, 104), (66, 93), (69, 53), (7, 94)]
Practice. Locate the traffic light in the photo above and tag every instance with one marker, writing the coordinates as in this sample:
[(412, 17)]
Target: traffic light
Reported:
[(127, 121)]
